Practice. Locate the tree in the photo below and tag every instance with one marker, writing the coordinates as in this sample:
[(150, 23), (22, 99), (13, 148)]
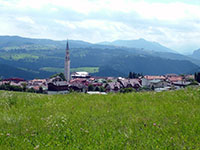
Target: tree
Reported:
[(133, 75), (24, 85), (153, 88), (102, 89), (90, 87), (61, 75), (127, 90), (97, 89), (31, 90), (197, 76), (130, 75), (40, 90)]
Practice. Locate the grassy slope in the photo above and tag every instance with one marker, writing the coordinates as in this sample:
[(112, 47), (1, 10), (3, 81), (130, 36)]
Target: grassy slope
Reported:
[(167, 120), (87, 69)]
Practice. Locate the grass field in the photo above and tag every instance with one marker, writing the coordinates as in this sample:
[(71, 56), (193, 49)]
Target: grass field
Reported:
[(17, 57), (87, 69), (149, 120)]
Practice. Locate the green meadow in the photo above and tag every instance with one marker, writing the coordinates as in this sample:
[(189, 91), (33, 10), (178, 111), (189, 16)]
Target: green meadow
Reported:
[(146, 120), (58, 70)]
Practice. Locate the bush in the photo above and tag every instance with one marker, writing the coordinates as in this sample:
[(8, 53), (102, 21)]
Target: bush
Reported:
[(90, 87), (31, 90), (9, 87), (127, 90), (194, 83)]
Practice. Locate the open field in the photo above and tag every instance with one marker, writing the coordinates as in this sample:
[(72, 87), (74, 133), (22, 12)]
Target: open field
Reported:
[(17, 57), (166, 120), (58, 70)]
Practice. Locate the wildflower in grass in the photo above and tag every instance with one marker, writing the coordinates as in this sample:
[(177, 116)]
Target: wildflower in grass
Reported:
[(36, 147), (154, 124), (8, 134)]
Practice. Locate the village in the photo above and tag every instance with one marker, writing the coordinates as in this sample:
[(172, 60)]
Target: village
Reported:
[(83, 82)]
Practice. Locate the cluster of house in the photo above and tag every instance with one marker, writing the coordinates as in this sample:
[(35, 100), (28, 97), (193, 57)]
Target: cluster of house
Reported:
[(83, 82)]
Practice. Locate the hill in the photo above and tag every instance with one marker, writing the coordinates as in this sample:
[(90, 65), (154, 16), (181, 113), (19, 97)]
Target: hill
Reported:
[(146, 65), (17, 43), (141, 44), (196, 54), (7, 71), (43, 58), (116, 121)]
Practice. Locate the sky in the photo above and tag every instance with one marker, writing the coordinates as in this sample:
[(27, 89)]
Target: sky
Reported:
[(172, 23)]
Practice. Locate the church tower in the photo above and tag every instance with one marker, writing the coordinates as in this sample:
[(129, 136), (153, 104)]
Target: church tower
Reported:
[(67, 63)]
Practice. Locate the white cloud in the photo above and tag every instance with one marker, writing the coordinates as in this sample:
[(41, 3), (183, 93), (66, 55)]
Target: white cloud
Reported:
[(25, 19), (171, 24)]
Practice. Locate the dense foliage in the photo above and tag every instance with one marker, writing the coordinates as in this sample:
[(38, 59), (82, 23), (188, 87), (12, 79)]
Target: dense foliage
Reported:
[(197, 76), (149, 120), (33, 58)]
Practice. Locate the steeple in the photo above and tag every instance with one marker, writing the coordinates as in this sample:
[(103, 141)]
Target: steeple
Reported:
[(67, 63), (67, 47)]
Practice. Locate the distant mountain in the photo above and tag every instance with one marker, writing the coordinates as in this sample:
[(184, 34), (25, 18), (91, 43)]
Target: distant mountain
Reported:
[(17, 42), (147, 65), (141, 44), (196, 54), (36, 58), (7, 71)]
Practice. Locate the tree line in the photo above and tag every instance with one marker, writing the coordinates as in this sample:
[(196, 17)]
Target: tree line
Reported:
[(197, 76), (133, 75)]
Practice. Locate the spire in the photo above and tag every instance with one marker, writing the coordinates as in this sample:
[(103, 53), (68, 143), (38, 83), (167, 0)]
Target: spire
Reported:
[(67, 47), (67, 63)]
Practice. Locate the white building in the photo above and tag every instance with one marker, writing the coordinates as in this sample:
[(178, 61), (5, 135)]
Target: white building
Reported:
[(80, 75)]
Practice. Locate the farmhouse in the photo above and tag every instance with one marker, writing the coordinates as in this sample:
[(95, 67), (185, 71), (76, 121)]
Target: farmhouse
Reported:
[(15, 81), (113, 87), (57, 84), (130, 83)]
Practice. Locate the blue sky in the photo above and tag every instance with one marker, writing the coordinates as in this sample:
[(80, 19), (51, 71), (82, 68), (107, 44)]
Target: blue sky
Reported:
[(173, 23)]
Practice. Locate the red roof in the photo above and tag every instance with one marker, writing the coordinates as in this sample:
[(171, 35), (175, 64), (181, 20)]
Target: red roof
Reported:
[(175, 79), (14, 79), (154, 77)]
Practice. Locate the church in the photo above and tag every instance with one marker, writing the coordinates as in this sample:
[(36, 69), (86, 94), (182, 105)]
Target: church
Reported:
[(67, 64)]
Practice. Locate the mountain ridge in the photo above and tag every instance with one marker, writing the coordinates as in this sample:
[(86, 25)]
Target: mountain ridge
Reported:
[(196, 54), (33, 55), (139, 43)]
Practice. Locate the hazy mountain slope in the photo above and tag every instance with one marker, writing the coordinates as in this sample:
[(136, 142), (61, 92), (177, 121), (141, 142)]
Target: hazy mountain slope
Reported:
[(17, 42), (196, 54), (7, 71), (111, 60), (147, 65), (176, 56), (140, 43)]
